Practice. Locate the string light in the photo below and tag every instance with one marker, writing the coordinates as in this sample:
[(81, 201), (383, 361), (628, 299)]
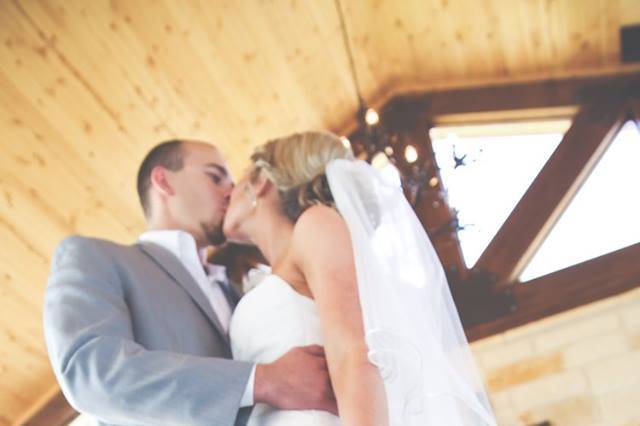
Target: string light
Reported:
[(410, 154), (371, 117), (434, 182), (374, 142)]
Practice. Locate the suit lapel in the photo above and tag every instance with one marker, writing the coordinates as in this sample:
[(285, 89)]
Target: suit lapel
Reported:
[(172, 266)]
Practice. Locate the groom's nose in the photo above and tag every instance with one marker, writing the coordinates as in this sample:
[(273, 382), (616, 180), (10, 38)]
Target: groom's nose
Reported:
[(230, 188), (227, 192)]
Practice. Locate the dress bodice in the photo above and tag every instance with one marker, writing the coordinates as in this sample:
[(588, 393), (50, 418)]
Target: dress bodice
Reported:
[(269, 320)]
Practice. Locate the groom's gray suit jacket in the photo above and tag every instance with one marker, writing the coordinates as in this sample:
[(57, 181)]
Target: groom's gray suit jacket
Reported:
[(133, 340)]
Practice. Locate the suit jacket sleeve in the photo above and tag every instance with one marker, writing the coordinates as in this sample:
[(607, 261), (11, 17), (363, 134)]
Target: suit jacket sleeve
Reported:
[(104, 372)]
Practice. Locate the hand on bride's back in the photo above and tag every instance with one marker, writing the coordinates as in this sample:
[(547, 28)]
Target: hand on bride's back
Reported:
[(299, 380)]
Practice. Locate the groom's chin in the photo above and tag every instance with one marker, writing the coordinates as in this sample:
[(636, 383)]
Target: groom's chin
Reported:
[(240, 241), (215, 236), (217, 241)]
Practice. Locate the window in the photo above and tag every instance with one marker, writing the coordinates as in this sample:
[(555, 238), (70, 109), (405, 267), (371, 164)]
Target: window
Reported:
[(500, 162), (604, 215)]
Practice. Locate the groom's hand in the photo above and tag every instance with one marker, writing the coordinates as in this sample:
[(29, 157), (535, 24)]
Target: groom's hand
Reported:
[(299, 380)]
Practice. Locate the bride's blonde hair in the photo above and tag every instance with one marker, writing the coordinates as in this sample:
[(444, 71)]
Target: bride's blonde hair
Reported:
[(296, 165)]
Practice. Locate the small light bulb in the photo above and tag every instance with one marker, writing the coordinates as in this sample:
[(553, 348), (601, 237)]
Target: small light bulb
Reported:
[(345, 142), (410, 154), (434, 182), (389, 151), (371, 117)]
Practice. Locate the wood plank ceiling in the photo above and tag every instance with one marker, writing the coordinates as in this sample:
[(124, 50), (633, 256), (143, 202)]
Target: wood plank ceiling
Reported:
[(87, 87)]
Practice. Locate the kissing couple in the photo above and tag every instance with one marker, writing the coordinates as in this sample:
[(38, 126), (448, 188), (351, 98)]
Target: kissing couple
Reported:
[(353, 325)]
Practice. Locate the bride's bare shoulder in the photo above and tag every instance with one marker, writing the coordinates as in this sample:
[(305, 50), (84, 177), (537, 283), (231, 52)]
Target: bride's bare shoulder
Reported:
[(318, 228), (317, 218)]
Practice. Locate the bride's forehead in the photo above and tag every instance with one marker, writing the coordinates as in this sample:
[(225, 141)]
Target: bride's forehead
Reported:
[(246, 172)]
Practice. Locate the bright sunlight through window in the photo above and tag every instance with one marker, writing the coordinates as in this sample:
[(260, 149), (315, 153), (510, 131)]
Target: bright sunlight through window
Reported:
[(487, 168), (603, 216)]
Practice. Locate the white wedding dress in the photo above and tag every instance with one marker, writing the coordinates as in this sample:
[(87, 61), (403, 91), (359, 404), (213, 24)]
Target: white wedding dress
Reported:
[(412, 329), (268, 321)]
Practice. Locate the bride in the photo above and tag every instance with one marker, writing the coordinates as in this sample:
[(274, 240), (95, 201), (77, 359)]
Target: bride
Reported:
[(352, 270)]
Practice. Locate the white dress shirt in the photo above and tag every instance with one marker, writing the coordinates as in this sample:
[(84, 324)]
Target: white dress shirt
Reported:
[(182, 245)]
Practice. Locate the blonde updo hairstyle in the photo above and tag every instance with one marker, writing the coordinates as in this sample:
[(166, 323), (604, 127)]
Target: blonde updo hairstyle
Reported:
[(296, 166)]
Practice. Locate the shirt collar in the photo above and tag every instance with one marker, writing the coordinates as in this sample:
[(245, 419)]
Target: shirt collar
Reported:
[(216, 272), (182, 245)]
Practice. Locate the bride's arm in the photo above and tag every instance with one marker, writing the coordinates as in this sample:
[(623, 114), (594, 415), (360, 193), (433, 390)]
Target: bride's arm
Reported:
[(323, 251)]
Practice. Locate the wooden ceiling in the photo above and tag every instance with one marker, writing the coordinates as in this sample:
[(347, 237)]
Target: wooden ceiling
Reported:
[(87, 87)]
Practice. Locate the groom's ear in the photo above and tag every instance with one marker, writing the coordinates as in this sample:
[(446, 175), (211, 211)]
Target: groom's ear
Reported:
[(160, 182)]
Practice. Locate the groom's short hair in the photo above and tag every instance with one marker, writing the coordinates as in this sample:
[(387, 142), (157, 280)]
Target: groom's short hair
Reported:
[(168, 154)]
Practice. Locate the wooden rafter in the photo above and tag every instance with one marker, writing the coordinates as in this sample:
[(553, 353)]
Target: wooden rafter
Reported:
[(569, 288), (520, 96), (432, 209), (436, 215), (591, 132), (601, 111)]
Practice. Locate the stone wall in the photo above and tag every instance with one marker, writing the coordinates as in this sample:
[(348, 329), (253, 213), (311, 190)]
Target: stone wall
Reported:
[(581, 367)]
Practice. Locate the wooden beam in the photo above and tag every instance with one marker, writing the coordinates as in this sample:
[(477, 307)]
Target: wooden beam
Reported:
[(602, 109), (578, 285), (54, 410), (520, 96), (410, 127), (592, 131), (434, 212), (437, 218)]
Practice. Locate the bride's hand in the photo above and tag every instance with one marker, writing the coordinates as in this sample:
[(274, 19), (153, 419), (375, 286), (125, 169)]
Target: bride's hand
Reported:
[(299, 380)]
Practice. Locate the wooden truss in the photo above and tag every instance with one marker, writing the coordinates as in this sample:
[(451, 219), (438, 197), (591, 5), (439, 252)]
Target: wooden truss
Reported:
[(489, 297)]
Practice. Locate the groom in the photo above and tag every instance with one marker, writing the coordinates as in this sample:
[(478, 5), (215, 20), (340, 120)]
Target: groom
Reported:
[(139, 334)]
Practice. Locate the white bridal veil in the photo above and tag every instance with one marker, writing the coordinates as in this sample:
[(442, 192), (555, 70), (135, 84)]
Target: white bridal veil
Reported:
[(413, 331)]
